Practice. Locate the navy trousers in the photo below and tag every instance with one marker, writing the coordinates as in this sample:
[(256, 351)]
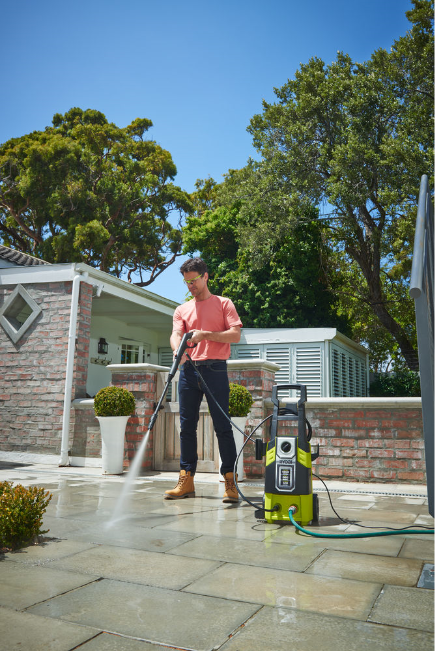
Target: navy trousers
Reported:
[(190, 393)]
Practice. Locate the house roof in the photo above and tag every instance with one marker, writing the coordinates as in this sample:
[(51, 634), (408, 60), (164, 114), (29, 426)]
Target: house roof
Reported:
[(12, 258)]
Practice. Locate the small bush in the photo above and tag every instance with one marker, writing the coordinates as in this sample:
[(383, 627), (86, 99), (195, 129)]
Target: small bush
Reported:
[(21, 511), (403, 384), (114, 401), (240, 400)]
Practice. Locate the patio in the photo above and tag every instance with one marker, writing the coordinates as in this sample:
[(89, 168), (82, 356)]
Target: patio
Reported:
[(199, 574)]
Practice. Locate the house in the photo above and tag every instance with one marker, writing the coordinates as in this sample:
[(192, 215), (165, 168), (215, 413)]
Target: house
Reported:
[(60, 326)]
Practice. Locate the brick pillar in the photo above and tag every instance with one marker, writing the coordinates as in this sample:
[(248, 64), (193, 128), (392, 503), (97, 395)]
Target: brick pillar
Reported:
[(141, 380), (258, 376)]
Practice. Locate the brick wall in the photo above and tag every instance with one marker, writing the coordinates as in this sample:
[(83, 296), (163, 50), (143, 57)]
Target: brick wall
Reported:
[(367, 439), (32, 376), (370, 443)]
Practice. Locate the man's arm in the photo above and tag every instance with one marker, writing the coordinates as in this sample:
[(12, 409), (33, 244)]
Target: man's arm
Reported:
[(175, 339), (231, 336)]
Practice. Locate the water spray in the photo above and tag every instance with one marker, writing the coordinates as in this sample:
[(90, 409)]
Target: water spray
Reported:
[(133, 472)]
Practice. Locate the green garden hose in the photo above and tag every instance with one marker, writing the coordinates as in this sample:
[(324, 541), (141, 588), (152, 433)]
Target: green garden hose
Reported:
[(395, 532)]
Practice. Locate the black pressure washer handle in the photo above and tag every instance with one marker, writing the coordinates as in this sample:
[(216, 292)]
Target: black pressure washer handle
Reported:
[(180, 352), (283, 387)]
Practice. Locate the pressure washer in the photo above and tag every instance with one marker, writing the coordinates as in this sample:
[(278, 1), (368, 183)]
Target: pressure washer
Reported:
[(288, 480)]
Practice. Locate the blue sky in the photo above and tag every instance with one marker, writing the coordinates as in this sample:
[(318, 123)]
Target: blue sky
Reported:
[(198, 70)]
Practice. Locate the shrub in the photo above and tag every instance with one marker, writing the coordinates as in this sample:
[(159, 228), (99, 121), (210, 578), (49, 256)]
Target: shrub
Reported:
[(403, 384), (21, 511), (240, 400), (114, 401)]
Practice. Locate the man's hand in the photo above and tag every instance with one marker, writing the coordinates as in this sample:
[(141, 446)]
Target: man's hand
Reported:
[(198, 335), (230, 336)]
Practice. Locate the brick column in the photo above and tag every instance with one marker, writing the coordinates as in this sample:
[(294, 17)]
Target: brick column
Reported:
[(141, 380), (258, 376)]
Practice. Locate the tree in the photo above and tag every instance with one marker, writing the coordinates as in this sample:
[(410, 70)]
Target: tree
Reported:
[(288, 290), (85, 190), (356, 138)]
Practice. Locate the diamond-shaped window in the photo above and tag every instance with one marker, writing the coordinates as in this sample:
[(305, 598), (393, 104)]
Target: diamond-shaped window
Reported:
[(18, 313)]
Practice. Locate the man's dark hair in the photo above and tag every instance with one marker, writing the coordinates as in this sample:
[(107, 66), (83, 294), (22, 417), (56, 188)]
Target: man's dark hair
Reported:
[(194, 264)]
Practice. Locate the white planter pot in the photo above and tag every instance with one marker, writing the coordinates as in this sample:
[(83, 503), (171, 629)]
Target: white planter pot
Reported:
[(239, 440), (112, 441)]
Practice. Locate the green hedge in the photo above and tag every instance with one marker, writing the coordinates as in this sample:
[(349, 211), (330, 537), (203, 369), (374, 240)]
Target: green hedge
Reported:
[(403, 384)]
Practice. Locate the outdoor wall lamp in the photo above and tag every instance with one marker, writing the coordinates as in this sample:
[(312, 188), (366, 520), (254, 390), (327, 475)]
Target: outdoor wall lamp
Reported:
[(103, 346)]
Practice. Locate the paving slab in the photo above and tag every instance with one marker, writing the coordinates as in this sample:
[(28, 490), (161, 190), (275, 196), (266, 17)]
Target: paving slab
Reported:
[(26, 632), (250, 552), (338, 597), (137, 566), (368, 567), (407, 607), (418, 548), (151, 614), (279, 628), (111, 642), (24, 585), (120, 535), (50, 550), (240, 529)]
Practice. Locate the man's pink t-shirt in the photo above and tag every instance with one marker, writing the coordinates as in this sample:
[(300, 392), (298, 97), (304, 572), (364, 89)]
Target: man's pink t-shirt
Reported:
[(216, 314)]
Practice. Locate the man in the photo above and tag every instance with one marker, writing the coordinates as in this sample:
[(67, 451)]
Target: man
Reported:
[(215, 325)]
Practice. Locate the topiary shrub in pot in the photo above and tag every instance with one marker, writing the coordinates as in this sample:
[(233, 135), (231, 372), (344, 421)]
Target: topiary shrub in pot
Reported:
[(240, 400), (240, 406), (114, 401), (113, 407)]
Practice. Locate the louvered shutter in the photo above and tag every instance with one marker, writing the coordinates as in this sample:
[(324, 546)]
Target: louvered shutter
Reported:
[(335, 372), (309, 369), (281, 356), (166, 358), (247, 352)]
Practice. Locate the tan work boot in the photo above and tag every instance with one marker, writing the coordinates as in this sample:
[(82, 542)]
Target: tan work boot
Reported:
[(231, 494), (184, 488)]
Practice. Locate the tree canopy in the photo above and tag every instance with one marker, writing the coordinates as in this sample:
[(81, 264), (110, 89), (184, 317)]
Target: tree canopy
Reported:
[(86, 190), (288, 289), (354, 139)]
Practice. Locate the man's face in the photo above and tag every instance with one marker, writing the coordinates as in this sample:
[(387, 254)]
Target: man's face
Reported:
[(196, 283)]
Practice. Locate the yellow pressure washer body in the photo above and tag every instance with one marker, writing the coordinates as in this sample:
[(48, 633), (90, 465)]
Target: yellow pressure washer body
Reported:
[(288, 479)]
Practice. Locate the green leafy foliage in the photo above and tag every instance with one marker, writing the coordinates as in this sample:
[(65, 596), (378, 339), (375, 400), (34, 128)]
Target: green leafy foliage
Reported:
[(21, 511), (354, 138), (86, 190), (285, 288), (404, 383), (114, 401), (240, 400)]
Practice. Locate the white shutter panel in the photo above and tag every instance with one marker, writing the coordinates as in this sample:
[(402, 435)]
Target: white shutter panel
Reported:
[(166, 357), (280, 356), (335, 369), (247, 352), (309, 369)]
